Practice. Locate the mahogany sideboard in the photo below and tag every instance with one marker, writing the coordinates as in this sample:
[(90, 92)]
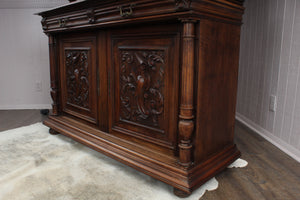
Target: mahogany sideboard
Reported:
[(151, 84)]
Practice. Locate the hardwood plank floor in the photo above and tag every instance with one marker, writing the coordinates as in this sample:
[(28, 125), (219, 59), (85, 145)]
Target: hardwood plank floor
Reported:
[(16, 118), (271, 174)]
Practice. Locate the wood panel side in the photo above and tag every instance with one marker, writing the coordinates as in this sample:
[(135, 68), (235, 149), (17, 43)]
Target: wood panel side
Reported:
[(217, 87)]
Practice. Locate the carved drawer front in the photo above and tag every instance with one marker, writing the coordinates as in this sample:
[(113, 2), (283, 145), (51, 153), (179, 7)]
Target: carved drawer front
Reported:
[(78, 78), (145, 83)]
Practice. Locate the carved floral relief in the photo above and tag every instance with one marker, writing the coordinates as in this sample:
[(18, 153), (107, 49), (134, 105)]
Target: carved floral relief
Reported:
[(183, 4), (142, 85), (77, 75)]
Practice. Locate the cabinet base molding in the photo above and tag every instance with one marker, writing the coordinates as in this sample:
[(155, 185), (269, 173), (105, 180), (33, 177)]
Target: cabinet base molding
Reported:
[(167, 170)]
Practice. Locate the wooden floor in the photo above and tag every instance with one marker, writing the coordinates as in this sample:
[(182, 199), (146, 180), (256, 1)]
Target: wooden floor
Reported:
[(270, 174), (16, 118)]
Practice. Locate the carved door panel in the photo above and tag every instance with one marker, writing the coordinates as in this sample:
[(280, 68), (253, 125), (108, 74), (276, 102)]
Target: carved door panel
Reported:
[(145, 84), (78, 77)]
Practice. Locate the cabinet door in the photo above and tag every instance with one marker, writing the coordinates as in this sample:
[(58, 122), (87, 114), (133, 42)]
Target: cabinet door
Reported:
[(145, 85), (78, 77)]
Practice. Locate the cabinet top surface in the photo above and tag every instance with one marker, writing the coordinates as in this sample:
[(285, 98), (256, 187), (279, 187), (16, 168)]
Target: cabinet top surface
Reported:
[(97, 13)]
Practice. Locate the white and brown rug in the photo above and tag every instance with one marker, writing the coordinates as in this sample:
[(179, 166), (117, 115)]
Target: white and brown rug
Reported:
[(35, 165)]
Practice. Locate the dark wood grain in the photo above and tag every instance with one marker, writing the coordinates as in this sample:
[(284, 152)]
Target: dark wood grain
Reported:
[(217, 87), (186, 123), (103, 83), (150, 83), (107, 13)]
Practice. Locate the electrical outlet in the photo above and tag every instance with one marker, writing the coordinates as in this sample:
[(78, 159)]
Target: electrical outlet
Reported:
[(38, 86), (273, 103)]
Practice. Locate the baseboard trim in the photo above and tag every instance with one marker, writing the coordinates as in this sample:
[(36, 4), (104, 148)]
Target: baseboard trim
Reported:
[(282, 145), (25, 107)]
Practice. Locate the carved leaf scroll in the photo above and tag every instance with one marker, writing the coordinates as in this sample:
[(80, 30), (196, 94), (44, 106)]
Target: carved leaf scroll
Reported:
[(183, 4), (141, 86), (77, 75)]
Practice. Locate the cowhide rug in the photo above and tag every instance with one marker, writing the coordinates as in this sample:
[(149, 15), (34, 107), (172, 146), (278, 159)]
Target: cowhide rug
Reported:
[(35, 165)]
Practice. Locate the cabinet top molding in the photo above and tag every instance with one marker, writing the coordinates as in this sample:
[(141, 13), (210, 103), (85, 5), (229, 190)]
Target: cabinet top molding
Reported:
[(100, 13)]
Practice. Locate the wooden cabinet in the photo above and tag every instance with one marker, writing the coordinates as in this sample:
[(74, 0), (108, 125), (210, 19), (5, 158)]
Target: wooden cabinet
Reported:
[(150, 83)]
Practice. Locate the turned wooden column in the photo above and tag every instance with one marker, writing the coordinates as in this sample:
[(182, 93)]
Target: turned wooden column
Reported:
[(53, 73), (186, 116)]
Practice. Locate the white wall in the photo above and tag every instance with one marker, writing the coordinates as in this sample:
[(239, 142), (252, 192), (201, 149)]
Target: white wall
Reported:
[(24, 55), (270, 65), (21, 4)]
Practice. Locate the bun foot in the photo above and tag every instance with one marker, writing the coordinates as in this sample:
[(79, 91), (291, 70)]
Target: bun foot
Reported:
[(180, 193), (53, 132)]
